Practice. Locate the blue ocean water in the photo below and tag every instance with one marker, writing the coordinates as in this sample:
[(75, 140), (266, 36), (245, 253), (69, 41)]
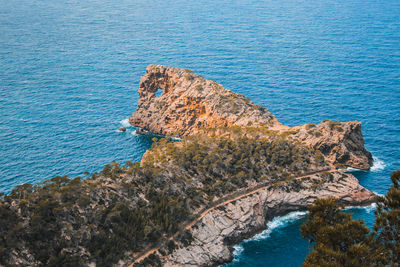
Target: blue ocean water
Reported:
[(69, 73)]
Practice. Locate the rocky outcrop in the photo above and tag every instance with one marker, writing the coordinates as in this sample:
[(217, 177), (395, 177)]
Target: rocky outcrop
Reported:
[(342, 143), (190, 103), (216, 233)]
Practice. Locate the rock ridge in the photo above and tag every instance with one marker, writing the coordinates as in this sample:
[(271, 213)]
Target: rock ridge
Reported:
[(189, 103)]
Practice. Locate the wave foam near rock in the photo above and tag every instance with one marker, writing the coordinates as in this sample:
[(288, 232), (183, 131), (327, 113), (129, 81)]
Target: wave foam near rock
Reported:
[(378, 165), (125, 123), (276, 223)]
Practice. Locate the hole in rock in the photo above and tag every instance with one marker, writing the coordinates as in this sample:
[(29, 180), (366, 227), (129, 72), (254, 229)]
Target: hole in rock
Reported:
[(159, 92)]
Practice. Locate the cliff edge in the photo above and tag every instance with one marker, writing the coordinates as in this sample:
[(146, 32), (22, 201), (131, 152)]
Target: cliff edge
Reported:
[(221, 228)]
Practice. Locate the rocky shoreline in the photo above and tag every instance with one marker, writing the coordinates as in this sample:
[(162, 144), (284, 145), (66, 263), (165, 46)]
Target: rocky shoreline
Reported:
[(221, 229)]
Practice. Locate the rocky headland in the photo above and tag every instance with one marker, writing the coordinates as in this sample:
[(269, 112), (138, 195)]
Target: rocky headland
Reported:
[(185, 203), (189, 103)]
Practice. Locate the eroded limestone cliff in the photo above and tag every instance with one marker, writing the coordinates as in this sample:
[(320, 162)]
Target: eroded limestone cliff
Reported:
[(190, 103), (234, 221), (342, 143)]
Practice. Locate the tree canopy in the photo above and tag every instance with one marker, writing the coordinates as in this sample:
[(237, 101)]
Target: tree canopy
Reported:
[(340, 240)]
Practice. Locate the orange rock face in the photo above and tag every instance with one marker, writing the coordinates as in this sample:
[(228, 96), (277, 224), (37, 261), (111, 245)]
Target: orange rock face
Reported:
[(190, 103)]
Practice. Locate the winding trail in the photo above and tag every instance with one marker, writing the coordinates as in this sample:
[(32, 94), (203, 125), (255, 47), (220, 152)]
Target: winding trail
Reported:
[(255, 189)]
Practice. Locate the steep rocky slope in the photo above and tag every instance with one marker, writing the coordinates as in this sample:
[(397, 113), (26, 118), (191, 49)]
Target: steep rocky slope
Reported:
[(228, 224), (125, 211), (342, 143), (190, 103)]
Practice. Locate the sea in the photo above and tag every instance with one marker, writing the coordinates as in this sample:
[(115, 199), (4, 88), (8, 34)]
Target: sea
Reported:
[(70, 70)]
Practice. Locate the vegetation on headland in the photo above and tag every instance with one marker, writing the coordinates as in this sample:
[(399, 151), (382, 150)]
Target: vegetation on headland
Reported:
[(340, 240), (129, 208)]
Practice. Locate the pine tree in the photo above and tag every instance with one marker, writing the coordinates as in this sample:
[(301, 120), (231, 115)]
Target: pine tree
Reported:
[(341, 241), (387, 222)]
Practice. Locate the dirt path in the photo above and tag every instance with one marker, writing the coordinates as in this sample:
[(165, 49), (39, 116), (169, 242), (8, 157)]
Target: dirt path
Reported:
[(204, 213)]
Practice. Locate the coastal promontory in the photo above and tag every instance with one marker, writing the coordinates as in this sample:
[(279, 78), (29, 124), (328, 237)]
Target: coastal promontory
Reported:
[(187, 202)]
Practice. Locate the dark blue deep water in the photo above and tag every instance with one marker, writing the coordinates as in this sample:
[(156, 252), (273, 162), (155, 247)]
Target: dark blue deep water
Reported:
[(69, 73)]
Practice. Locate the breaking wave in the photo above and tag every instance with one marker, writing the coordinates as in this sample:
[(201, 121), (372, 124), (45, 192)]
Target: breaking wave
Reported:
[(368, 209), (276, 223), (378, 165), (237, 250)]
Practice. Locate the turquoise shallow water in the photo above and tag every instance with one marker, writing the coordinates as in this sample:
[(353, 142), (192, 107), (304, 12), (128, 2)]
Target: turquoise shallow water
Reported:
[(69, 73)]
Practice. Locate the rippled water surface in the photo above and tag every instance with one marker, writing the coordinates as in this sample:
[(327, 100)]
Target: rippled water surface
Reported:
[(69, 73)]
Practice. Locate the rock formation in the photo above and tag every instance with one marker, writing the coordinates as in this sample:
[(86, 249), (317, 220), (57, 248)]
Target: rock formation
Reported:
[(342, 143), (190, 103)]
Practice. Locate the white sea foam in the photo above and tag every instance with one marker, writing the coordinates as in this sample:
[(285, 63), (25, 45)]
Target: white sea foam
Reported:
[(134, 133), (351, 169), (368, 209), (237, 250), (276, 223), (378, 165), (371, 208), (125, 123)]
